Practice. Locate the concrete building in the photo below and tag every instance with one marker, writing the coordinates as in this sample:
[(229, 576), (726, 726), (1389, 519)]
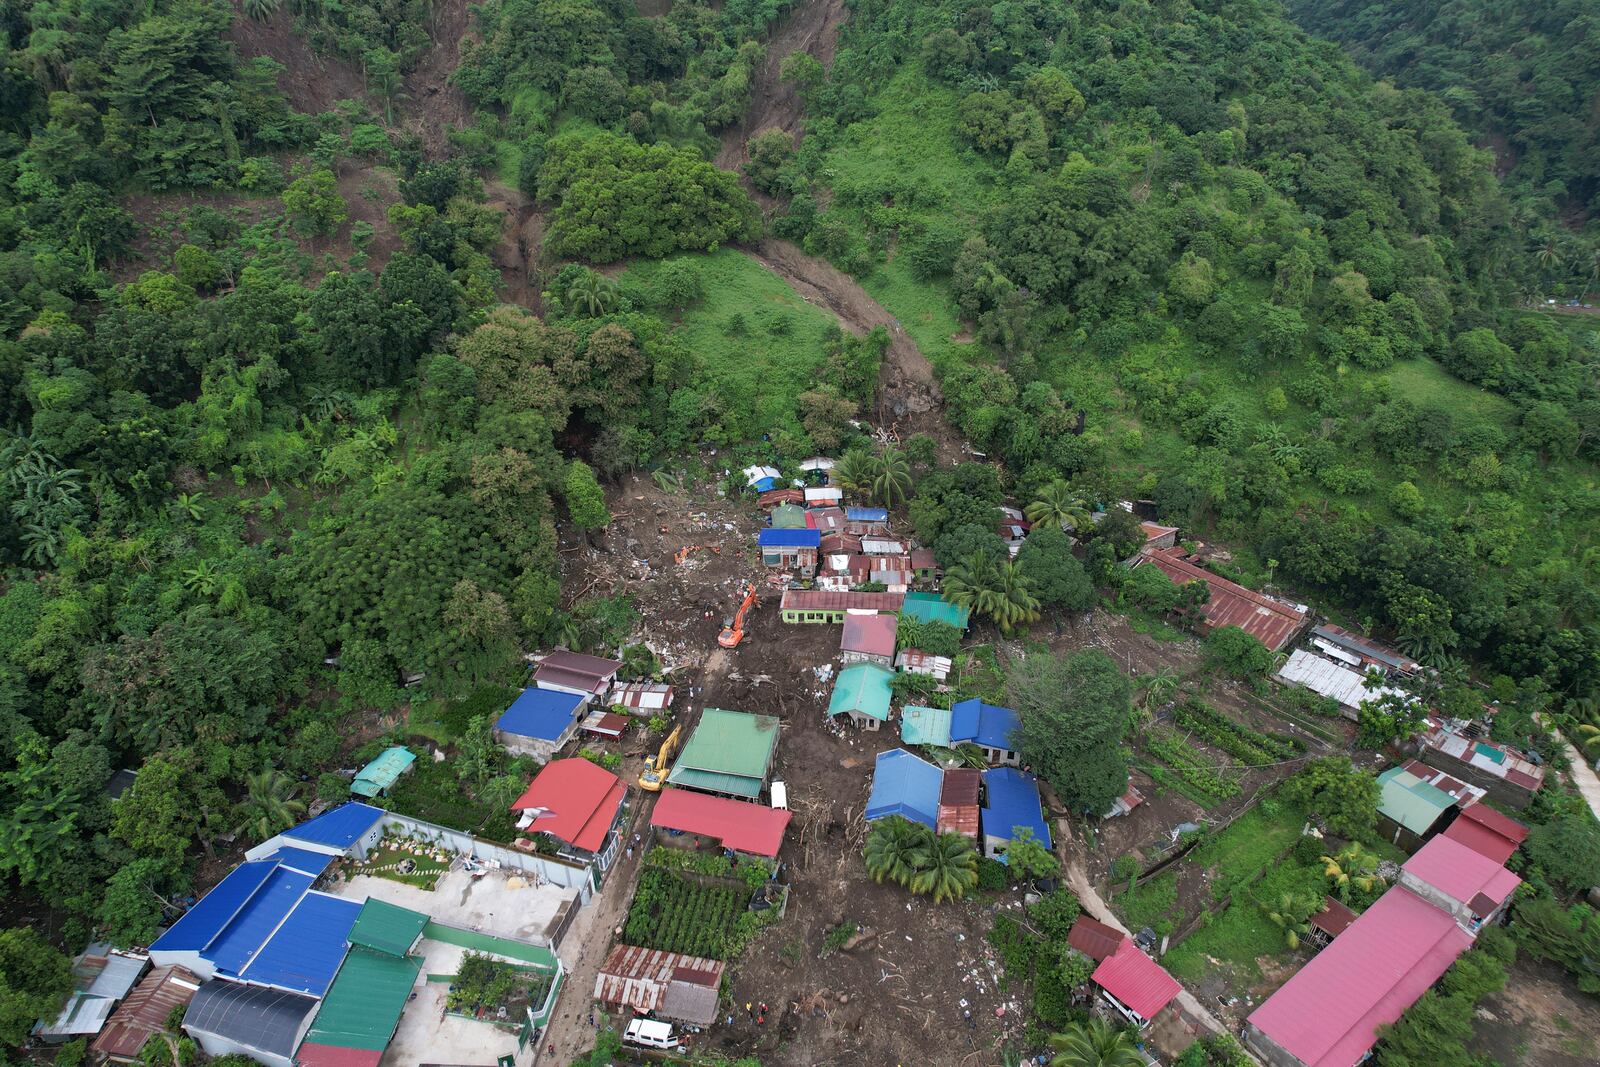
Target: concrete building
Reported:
[(540, 722)]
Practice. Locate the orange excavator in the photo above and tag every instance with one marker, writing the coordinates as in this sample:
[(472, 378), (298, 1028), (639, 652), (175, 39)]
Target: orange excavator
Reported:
[(687, 550), (734, 633)]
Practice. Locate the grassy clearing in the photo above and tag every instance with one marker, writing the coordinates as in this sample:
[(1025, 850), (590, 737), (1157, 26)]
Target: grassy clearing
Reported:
[(1242, 934), (757, 342), (433, 793)]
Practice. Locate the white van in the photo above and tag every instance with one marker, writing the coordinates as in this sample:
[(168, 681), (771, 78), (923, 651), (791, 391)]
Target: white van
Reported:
[(650, 1033)]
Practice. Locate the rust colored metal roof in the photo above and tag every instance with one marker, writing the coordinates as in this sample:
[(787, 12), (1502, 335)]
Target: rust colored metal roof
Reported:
[(773, 497), (145, 1011), (637, 977), (841, 544), (1334, 918), (819, 600), (1094, 938), (1272, 623), (958, 802)]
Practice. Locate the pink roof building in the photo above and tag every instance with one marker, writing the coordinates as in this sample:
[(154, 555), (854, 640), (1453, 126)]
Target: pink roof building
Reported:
[(868, 638), (1487, 832), (1135, 981), (1328, 1014), (1464, 882)]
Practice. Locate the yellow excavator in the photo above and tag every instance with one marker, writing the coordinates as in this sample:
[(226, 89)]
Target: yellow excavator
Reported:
[(655, 767)]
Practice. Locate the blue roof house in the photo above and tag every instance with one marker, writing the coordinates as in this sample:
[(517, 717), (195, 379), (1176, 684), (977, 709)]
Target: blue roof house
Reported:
[(993, 729), (1013, 803), (790, 548), (903, 784), (539, 722)]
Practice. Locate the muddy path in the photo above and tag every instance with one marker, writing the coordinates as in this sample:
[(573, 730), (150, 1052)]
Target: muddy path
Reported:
[(812, 27)]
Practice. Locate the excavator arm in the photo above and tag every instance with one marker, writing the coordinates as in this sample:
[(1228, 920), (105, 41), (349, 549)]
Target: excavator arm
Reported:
[(730, 637)]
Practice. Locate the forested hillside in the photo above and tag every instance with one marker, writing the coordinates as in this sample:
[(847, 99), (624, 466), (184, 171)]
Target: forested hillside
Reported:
[(1282, 292), (1521, 78)]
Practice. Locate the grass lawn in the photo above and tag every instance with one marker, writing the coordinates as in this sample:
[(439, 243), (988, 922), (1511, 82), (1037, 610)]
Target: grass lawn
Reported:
[(1242, 933), (381, 863), (756, 341)]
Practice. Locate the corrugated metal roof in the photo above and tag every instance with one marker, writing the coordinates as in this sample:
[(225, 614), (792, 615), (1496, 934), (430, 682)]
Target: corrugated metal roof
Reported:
[(867, 514), (339, 827), (1329, 1012), (925, 726), (1460, 872), (862, 688), (577, 802), (652, 696), (826, 521), (736, 824), (1411, 802), (728, 752), (931, 607), (869, 634), (384, 771), (81, 1015), (789, 517), (605, 724), (267, 1020), (304, 953), (1013, 797), (990, 726), (666, 983), (1094, 938), (364, 1004), (145, 1011), (387, 928), (958, 801), (257, 920), (773, 497), (1136, 980), (801, 538), (301, 859), (920, 662), (1330, 679), (115, 974), (1366, 647), (1334, 918), (544, 714), (311, 1054), (212, 913), (903, 784), (1272, 623)]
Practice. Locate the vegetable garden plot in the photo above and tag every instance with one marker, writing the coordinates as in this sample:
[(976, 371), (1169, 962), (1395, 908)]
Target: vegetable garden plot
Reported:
[(676, 915)]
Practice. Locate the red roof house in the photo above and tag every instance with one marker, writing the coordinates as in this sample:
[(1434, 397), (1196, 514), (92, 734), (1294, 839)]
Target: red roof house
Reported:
[(1328, 1014), (826, 520), (1094, 938), (735, 824), (574, 801), (1135, 981), (1487, 832), (1334, 919), (1463, 881), (958, 802), (1269, 621), (868, 638)]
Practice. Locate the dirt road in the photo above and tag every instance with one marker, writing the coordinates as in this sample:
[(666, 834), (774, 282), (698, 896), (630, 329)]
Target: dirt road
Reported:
[(1585, 779), (584, 950)]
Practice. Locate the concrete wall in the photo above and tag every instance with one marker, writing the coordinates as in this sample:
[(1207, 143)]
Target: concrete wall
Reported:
[(540, 749), (1498, 788), (546, 868)]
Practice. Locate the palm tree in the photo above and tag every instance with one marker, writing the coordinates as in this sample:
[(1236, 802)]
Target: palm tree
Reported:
[(1159, 687), (895, 849), (261, 10), (891, 479), (1290, 916), (1589, 735), (1058, 505), (1014, 602), (948, 868), (593, 292), (1094, 1044), (269, 804), (1352, 868), (971, 583), (854, 471)]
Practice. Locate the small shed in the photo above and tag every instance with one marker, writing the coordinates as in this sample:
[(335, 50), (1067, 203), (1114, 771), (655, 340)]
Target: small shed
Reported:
[(958, 802), (823, 497), (1013, 805), (826, 521), (991, 728), (667, 985), (1135, 984), (880, 546), (789, 517), (607, 724), (144, 1013), (862, 692), (761, 478), (1094, 938), (868, 639), (539, 722), (924, 565), (867, 520), (379, 776), (1409, 809), (773, 497), (1334, 919), (905, 785), (916, 661), (642, 698)]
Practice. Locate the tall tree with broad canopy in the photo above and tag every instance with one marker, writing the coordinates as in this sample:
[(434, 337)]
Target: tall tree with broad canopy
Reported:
[(1075, 711)]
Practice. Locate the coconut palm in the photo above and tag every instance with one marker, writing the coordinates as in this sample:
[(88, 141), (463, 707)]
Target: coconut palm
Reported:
[(854, 471), (1589, 736), (891, 479), (260, 10), (1158, 688), (895, 849), (594, 293), (1095, 1043), (972, 582), (947, 868), (1351, 869), (1058, 505), (1014, 602), (269, 804)]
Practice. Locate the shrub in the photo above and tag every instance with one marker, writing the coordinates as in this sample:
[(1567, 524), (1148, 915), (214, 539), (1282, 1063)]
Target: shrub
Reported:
[(991, 874)]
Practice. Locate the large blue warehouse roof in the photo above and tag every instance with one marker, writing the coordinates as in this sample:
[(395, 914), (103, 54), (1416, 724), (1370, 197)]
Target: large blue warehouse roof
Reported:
[(201, 924), (771, 538), (305, 952), (903, 784), (339, 827), (257, 920), (1013, 802), (301, 859), (540, 713)]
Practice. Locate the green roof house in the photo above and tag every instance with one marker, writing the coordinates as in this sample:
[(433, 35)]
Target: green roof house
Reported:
[(730, 752), (378, 776), (789, 517), (921, 725), (364, 1004), (862, 692), (386, 928), (1409, 809), (931, 607)]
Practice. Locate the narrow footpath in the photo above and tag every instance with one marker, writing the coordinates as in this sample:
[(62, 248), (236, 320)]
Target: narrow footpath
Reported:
[(584, 950), (1585, 779)]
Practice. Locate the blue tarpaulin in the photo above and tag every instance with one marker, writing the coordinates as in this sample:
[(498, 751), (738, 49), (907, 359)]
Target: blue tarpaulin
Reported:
[(867, 514), (305, 952), (338, 827), (1013, 802), (540, 713), (903, 784)]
